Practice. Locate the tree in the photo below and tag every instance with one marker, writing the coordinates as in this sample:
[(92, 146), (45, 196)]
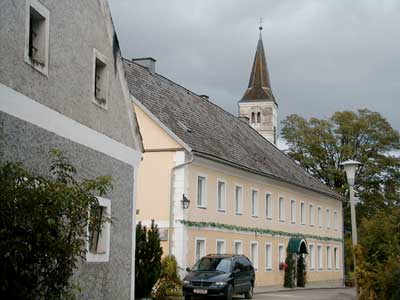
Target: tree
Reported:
[(43, 225), (319, 146), (147, 259)]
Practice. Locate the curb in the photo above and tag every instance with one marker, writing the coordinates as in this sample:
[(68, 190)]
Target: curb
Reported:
[(299, 289)]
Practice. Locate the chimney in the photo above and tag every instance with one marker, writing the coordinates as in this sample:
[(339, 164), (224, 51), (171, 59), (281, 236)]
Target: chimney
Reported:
[(147, 62)]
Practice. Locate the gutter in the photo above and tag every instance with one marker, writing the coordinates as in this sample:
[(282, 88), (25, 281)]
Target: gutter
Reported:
[(171, 202)]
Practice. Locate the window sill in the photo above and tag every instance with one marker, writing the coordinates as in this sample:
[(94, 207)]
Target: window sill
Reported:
[(256, 217), (282, 220), (269, 218), (105, 107), (44, 70), (292, 222), (202, 207), (221, 210), (268, 270), (238, 213)]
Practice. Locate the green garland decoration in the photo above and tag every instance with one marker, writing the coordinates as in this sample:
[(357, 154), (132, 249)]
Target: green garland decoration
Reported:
[(256, 230)]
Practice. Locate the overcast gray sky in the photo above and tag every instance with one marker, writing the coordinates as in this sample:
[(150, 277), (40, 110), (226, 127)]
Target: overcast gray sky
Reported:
[(322, 56)]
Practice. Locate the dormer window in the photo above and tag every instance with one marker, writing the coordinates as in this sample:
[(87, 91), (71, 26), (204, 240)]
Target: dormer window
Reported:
[(258, 118), (37, 36), (100, 79), (253, 118)]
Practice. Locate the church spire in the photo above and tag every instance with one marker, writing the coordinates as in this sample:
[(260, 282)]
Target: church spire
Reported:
[(259, 88)]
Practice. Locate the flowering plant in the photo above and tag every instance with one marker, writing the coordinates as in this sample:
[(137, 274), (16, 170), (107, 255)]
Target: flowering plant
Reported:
[(283, 266)]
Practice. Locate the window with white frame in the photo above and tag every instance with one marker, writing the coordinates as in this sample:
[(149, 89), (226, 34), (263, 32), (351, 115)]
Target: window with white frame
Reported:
[(221, 195), (220, 247), (320, 257), (98, 245), (335, 220), (201, 191), (238, 199), (268, 256), (238, 246), (312, 256), (328, 218), (200, 248), (268, 206), (37, 21), (328, 257), (336, 257), (281, 209), (254, 254), (100, 79), (254, 203), (311, 214), (292, 211), (319, 216), (303, 213), (281, 253)]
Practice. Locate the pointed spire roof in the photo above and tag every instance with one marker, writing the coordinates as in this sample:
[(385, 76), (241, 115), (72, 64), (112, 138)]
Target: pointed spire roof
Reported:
[(259, 88)]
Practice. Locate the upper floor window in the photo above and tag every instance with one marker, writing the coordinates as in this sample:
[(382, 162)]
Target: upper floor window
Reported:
[(201, 191), (311, 214), (258, 118), (37, 36), (254, 203), (100, 79), (328, 218), (268, 206), (238, 199), (319, 216), (281, 209), (292, 211), (303, 213), (221, 192), (335, 220), (99, 235)]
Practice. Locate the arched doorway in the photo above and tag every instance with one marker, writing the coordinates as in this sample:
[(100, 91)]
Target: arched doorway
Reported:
[(297, 271)]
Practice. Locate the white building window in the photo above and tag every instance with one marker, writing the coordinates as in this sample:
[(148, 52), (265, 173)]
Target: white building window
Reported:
[(268, 206), (320, 257), (98, 245), (329, 257), (268, 256), (281, 253), (281, 209), (37, 22), (201, 191), (238, 199), (319, 216), (303, 213), (328, 218), (220, 247), (336, 257), (254, 254), (100, 79), (311, 214), (312, 256), (221, 195), (238, 245), (254, 203), (335, 220), (292, 211), (200, 246)]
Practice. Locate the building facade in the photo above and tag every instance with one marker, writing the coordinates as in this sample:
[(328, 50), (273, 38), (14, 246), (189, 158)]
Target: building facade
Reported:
[(62, 86), (246, 196)]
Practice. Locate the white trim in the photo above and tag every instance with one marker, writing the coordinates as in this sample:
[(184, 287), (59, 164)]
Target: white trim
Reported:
[(311, 217), (329, 257), (240, 210), (159, 123), (196, 239), (24, 108), (312, 257), (204, 194), (133, 236), (328, 218), (101, 257), (45, 13), (319, 216), (223, 200), (280, 245), (254, 260), (223, 248), (281, 212), (268, 268), (320, 256), (335, 220), (293, 215), (241, 246), (269, 215), (257, 202), (303, 221), (98, 55)]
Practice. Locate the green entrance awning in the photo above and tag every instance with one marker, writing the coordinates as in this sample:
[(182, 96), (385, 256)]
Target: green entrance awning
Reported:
[(297, 245)]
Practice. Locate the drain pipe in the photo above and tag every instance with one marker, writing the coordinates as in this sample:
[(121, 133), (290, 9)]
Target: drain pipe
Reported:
[(171, 203)]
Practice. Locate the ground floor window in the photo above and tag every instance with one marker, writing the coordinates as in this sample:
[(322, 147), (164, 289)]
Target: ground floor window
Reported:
[(220, 247), (336, 257), (254, 254), (268, 257), (238, 245), (320, 257), (200, 248), (312, 257), (281, 254)]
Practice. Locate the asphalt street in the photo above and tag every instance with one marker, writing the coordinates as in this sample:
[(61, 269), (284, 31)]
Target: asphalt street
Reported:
[(315, 294)]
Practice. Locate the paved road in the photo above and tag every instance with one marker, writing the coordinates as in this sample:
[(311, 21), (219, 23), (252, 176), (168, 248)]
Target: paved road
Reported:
[(317, 294)]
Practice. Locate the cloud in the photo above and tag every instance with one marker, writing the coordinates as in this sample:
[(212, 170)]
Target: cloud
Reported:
[(322, 56)]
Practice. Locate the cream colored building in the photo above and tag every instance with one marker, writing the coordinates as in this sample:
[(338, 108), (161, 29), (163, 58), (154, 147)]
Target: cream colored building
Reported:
[(246, 196)]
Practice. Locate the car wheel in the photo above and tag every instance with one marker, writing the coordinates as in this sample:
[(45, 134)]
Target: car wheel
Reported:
[(249, 293), (229, 292)]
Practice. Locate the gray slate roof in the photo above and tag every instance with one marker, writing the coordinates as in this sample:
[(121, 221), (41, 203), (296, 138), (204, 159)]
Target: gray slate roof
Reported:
[(214, 133)]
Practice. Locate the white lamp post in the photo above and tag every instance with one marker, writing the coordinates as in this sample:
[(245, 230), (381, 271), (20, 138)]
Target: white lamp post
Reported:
[(350, 167)]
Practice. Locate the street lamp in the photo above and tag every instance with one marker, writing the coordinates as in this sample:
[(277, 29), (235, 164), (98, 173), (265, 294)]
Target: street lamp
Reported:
[(350, 167), (185, 202)]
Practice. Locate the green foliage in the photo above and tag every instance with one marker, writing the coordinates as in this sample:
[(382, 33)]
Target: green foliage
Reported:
[(169, 285), (43, 225), (147, 259), (301, 271), (290, 272), (378, 257)]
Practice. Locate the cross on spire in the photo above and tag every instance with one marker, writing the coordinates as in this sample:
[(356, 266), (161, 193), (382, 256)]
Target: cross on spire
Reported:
[(261, 23)]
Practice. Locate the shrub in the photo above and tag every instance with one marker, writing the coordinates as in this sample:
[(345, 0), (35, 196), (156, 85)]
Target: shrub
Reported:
[(43, 225), (169, 285)]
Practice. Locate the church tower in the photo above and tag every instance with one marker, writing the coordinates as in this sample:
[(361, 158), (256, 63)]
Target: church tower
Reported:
[(258, 104)]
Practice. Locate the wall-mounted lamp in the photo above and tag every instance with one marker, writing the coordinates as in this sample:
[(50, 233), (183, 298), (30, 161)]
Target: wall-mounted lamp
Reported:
[(185, 202)]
